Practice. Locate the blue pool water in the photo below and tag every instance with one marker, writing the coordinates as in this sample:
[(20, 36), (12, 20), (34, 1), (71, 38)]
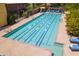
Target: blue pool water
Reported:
[(40, 32)]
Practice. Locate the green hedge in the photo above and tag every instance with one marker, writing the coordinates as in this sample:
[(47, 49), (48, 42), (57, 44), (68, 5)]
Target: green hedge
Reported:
[(72, 19)]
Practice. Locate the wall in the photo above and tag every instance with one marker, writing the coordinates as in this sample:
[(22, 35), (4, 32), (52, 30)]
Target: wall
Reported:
[(3, 15)]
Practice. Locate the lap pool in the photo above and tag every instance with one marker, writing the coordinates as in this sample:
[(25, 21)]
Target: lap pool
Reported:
[(40, 32)]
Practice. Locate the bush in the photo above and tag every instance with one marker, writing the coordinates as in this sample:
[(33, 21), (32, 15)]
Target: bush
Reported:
[(11, 19), (72, 21), (25, 14)]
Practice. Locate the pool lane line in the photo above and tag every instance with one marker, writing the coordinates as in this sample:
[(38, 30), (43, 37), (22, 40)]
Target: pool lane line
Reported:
[(29, 30), (58, 48), (34, 35), (26, 33), (39, 29), (53, 19), (45, 34), (16, 29), (53, 23), (41, 37), (19, 32), (53, 30), (30, 35), (38, 33), (46, 25), (56, 27), (23, 29), (33, 28), (58, 22)]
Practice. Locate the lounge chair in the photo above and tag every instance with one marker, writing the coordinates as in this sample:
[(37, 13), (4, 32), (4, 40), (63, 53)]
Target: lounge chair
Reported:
[(74, 47), (74, 40)]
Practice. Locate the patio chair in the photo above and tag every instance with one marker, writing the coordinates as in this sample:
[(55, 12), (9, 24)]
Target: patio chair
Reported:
[(74, 47), (74, 40)]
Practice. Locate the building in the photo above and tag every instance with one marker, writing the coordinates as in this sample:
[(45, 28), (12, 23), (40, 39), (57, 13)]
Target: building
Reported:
[(8, 13), (3, 15)]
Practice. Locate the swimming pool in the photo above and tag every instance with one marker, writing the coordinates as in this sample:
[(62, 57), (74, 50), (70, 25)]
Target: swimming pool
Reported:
[(40, 32)]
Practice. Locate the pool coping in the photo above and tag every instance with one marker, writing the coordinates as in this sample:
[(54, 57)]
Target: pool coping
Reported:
[(57, 41)]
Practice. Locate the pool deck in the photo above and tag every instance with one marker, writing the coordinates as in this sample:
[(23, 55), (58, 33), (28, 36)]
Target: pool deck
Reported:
[(10, 47), (13, 48), (63, 38)]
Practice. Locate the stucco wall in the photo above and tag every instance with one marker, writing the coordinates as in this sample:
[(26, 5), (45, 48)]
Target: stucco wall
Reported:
[(3, 15)]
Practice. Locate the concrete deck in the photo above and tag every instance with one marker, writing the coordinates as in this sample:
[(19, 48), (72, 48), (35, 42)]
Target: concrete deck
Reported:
[(10, 47)]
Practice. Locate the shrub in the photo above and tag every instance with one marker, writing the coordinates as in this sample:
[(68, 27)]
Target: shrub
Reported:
[(25, 14), (11, 19), (72, 20)]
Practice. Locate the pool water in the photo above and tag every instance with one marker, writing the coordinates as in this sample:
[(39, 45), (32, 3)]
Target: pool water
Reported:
[(41, 32)]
